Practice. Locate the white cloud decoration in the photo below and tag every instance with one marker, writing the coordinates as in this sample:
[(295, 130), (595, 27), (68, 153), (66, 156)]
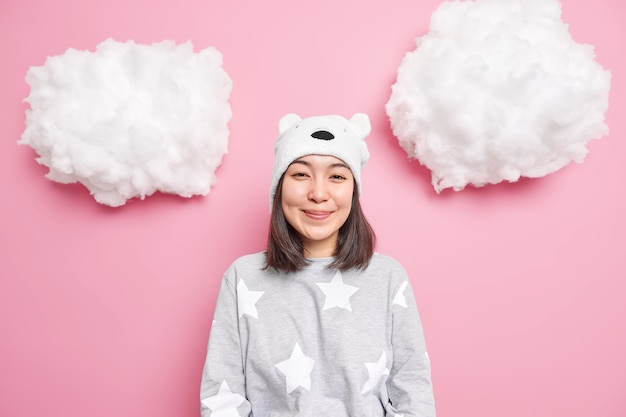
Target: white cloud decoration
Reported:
[(497, 90), (130, 119)]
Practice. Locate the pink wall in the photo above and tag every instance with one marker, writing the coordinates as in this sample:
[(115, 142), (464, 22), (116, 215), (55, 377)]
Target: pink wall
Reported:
[(106, 312)]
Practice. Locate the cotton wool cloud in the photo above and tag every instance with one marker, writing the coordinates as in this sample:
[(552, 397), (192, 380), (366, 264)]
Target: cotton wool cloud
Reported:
[(128, 119), (497, 90)]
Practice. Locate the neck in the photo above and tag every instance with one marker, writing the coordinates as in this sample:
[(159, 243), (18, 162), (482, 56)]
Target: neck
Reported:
[(319, 249)]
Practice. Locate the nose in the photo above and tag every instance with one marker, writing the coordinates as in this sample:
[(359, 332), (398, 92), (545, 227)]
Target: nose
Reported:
[(318, 191)]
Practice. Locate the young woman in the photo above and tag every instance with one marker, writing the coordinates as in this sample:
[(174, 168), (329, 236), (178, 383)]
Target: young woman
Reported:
[(318, 324)]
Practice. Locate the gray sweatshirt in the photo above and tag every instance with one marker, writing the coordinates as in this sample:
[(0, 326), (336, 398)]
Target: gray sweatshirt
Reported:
[(317, 342)]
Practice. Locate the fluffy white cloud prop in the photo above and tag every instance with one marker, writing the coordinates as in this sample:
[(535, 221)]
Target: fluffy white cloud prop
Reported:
[(497, 90), (130, 119)]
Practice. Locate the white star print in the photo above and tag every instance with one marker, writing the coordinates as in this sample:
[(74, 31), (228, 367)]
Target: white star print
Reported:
[(337, 293), (297, 370), (224, 403), (247, 299), (376, 371), (399, 299)]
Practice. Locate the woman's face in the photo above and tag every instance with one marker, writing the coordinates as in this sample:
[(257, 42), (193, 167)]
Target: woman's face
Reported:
[(316, 199)]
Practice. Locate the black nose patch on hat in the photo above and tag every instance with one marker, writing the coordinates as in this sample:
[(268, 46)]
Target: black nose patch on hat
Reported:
[(323, 135)]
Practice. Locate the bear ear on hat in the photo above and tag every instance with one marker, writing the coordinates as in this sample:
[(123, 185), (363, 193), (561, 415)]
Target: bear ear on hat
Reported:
[(361, 123), (287, 121)]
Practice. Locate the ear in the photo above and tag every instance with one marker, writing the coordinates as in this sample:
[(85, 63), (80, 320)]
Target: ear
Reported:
[(361, 123), (287, 121)]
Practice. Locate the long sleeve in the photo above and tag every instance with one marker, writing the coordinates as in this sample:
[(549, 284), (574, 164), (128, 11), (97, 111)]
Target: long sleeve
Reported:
[(409, 384), (222, 390)]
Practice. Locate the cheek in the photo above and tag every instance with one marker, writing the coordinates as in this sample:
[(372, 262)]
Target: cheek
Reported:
[(344, 197), (291, 195), (289, 212)]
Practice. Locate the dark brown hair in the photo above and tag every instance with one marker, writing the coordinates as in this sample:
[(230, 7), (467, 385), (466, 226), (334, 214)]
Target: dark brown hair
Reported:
[(285, 252)]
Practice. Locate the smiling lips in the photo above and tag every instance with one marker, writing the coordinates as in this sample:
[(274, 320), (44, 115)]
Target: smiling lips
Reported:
[(317, 214)]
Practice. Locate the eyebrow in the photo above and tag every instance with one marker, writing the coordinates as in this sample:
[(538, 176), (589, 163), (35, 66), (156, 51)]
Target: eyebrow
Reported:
[(308, 164)]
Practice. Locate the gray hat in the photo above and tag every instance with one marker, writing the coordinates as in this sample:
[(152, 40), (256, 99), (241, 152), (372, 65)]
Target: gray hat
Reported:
[(321, 135)]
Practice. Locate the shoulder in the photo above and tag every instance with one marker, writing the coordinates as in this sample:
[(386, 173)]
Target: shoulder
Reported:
[(257, 258), (246, 265), (399, 285), (385, 262), (253, 262), (385, 270)]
